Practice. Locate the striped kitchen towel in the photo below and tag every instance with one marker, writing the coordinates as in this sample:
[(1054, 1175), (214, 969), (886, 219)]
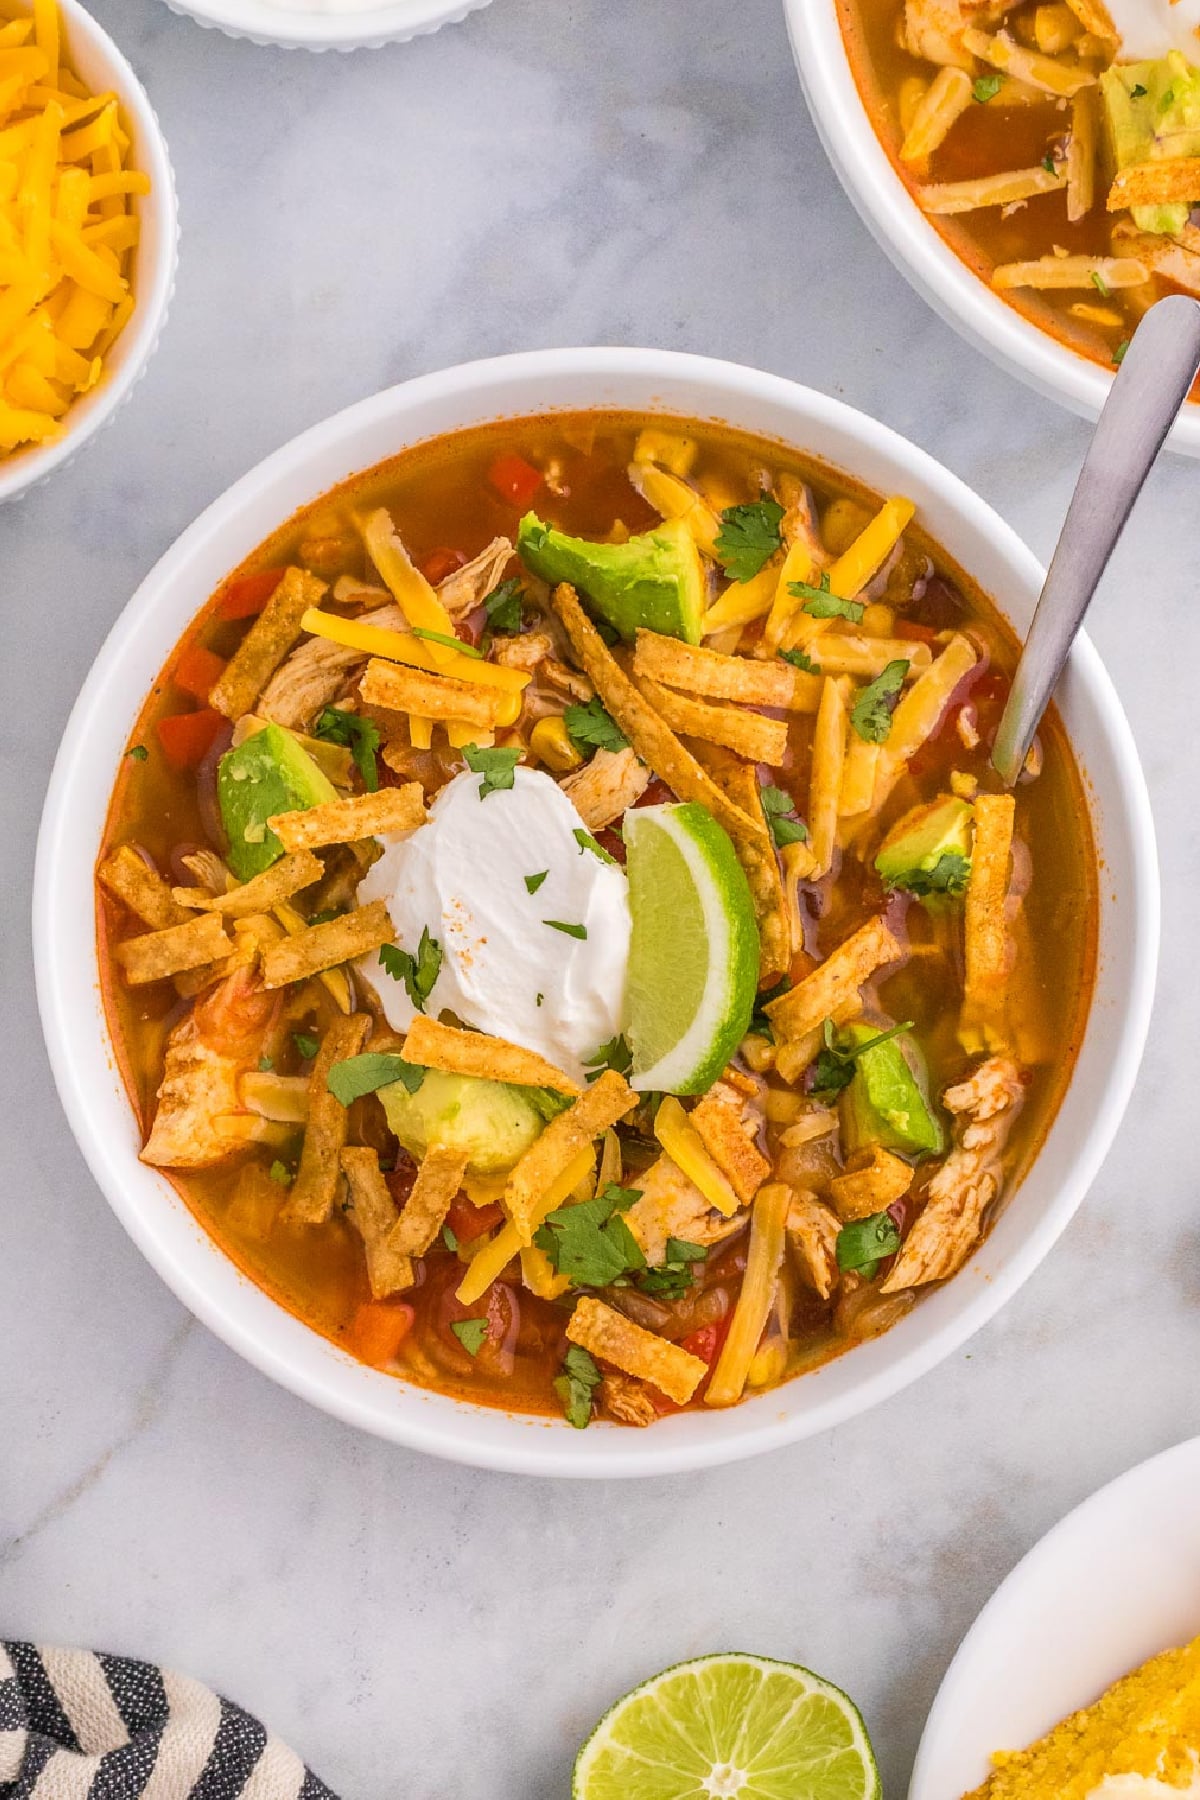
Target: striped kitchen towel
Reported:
[(76, 1726)]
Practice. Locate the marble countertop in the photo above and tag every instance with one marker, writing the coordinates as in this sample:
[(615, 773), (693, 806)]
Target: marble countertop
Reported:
[(582, 172)]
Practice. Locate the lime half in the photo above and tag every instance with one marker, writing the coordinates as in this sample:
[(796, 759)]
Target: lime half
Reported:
[(693, 957), (730, 1727)]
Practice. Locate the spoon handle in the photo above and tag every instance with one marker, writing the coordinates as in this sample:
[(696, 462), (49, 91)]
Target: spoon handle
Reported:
[(1151, 385)]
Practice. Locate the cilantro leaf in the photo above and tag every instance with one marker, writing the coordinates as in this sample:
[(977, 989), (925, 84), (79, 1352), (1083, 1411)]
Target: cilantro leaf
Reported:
[(949, 875), (496, 767), (534, 882), (1101, 286), (673, 1276), (616, 1054), (451, 643), (470, 1334), (586, 841), (760, 1025), (138, 752), (358, 734), (546, 1102), (590, 1243), (820, 603), (780, 808), (307, 1043), (871, 714), (419, 972), (799, 659), (1121, 352), (265, 1064), (749, 537), (503, 606), (834, 1067), (280, 1172), (986, 88), (576, 1385), (358, 1075), (450, 1239), (568, 930), (863, 1243), (592, 727)]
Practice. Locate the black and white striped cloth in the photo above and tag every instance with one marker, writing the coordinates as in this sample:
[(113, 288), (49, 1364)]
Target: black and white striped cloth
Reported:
[(77, 1726)]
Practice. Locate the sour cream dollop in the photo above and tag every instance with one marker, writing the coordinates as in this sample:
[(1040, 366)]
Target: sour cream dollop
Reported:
[(1143, 1787), (1150, 28), (504, 969)]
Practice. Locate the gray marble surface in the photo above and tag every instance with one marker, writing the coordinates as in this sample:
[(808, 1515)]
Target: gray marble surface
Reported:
[(584, 171)]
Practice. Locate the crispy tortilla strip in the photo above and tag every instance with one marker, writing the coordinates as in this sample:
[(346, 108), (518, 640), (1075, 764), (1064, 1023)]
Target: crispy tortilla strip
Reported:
[(989, 948), (438, 1181), (1003, 52), (836, 982), (872, 1181), (1167, 182), (794, 1054), (396, 688), (374, 1213), (1049, 272), (600, 1106), (314, 1190), (142, 889), (1094, 16), (1082, 151), (825, 782), (436, 1046), (947, 197), (608, 1334), (348, 821), (739, 781), (720, 1120), (325, 946), (747, 734), (160, 953), (272, 635), (764, 1257), (288, 876), (717, 677), (654, 741), (944, 101)]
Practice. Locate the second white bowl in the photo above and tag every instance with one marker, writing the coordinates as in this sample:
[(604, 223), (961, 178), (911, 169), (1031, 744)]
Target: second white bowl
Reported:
[(322, 27)]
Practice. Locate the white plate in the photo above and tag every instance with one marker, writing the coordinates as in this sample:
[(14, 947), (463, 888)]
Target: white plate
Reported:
[(1114, 1583)]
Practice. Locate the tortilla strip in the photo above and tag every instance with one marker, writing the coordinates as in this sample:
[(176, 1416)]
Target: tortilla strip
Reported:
[(1166, 182), (721, 1130), (989, 948), (654, 741), (794, 1055), (348, 821), (435, 1046), (707, 672), (608, 1334), (1082, 146), (288, 876), (160, 953), (747, 734), (142, 889), (600, 1106), (739, 782), (374, 1213), (314, 1190), (1003, 52), (944, 101), (825, 782), (835, 981), (438, 1180), (397, 688), (274, 632), (325, 946)]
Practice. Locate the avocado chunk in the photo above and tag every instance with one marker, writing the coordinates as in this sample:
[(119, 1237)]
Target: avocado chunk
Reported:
[(885, 1101), (1152, 112), (488, 1121), (928, 851), (655, 580), (268, 773)]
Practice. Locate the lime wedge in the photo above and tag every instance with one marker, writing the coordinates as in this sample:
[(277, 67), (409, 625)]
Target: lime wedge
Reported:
[(730, 1727), (693, 956)]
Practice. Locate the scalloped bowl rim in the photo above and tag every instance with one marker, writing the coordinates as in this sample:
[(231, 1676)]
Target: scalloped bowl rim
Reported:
[(365, 28), (68, 976)]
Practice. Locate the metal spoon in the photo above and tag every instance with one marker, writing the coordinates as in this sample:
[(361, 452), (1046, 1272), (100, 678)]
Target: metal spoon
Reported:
[(1152, 383)]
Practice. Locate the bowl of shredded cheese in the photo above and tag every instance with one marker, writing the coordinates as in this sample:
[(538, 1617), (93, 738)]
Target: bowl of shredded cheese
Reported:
[(88, 235), (327, 24)]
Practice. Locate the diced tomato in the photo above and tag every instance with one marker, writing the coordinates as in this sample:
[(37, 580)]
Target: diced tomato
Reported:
[(379, 1329), (657, 794), (441, 563), (608, 840), (515, 479), (196, 671), (468, 1222), (187, 737), (242, 598), (707, 1340), (922, 634), (401, 1180)]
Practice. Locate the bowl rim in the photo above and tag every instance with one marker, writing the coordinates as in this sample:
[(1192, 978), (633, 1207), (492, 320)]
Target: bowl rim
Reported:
[(67, 972), (921, 254), (363, 28), (155, 267)]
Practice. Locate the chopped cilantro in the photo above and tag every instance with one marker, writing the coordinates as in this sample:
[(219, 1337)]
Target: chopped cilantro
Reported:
[(568, 930), (359, 1075), (534, 882), (863, 1243), (592, 727), (546, 1102), (576, 1385), (672, 1278), (616, 1054), (1167, 101), (1138, 92), (871, 714), (1101, 286), (986, 88), (834, 1067), (496, 767), (358, 734), (949, 875), (590, 1243), (780, 809), (539, 999), (503, 606), (280, 1172), (138, 752), (451, 643), (749, 537), (265, 1065), (450, 1239), (799, 659), (759, 1024), (586, 841), (1049, 164), (820, 603), (1121, 352), (470, 1334), (307, 1043), (419, 972), (323, 917)]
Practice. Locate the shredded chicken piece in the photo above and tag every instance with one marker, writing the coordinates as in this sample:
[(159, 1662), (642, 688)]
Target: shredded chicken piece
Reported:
[(673, 1207), (812, 1231), (933, 28), (606, 786), (986, 1105), (628, 1400), (470, 586), (315, 673), (524, 652), (209, 870), (201, 1118), (566, 681)]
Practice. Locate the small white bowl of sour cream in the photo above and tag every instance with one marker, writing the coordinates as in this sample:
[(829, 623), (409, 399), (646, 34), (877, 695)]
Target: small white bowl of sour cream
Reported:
[(327, 24)]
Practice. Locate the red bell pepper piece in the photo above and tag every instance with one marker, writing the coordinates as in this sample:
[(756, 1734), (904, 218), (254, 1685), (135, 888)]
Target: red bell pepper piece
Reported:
[(379, 1329), (248, 594), (441, 563), (187, 737), (515, 480), (196, 671)]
